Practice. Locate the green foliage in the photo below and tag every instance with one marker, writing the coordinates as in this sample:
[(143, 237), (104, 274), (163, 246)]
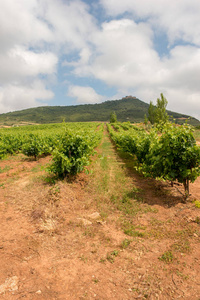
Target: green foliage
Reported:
[(161, 115), (171, 154), (174, 155), (125, 243), (167, 257), (113, 117), (31, 147), (71, 155), (73, 151), (70, 144), (145, 120), (158, 114), (151, 113)]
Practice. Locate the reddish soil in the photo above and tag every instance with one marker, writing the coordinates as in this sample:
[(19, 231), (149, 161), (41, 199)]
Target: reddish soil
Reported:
[(55, 245)]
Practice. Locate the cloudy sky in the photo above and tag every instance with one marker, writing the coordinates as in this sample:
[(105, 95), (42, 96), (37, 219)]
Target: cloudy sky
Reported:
[(64, 52)]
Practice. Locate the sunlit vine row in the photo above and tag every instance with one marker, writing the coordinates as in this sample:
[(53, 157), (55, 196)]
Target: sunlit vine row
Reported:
[(171, 154)]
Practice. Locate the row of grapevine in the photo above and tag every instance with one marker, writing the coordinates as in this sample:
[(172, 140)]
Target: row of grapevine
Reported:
[(31, 140), (70, 144), (171, 154), (74, 149)]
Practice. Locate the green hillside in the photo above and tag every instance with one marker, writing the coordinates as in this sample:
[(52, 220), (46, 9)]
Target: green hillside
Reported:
[(127, 109)]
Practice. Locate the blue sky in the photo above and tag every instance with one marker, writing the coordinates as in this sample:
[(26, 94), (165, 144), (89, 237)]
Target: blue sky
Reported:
[(62, 52)]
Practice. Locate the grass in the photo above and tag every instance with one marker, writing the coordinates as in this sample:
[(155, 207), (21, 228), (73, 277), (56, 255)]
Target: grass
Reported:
[(182, 246), (125, 243), (111, 256), (5, 169), (167, 257), (112, 183)]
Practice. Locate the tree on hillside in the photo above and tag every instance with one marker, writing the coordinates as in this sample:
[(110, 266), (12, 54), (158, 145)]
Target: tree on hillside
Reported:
[(113, 117), (145, 120), (151, 113), (161, 115), (158, 114)]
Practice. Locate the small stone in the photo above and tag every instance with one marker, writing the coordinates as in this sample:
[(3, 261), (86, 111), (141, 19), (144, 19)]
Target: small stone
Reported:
[(95, 215), (38, 292), (101, 222)]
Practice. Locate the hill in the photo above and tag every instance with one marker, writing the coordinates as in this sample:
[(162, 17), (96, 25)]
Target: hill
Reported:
[(127, 109)]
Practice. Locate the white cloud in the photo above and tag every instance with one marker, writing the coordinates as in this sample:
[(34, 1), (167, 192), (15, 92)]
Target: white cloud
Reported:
[(20, 63), (37, 35), (124, 54), (178, 19), (33, 35), (15, 97), (19, 24), (70, 21), (85, 94), (125, 58)]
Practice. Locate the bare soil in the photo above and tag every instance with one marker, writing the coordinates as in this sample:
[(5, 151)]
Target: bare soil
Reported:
[(66, 240)]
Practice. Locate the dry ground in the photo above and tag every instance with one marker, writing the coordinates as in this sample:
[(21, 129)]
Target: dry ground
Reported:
[(107, 234)]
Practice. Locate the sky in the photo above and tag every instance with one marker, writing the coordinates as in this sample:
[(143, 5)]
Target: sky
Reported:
[(64, 52)]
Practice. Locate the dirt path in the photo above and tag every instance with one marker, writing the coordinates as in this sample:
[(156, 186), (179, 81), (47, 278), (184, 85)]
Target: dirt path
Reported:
[(109, 234)]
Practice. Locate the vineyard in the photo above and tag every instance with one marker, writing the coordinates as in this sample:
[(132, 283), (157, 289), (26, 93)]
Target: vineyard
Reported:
[(169, 153), (99, 211), (69, 144)]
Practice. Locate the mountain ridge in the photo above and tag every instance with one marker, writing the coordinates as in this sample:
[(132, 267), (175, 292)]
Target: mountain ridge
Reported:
[(128, 108)]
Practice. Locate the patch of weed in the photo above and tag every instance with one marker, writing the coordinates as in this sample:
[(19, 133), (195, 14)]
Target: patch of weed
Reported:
[(182, 246), (180, 274), (50, 180), (5, 169), (95, 280), (149, 208), (125, 243), (185, 233), (110, 256), (129, 229), (2, 185), (114, 253), (167, 257)]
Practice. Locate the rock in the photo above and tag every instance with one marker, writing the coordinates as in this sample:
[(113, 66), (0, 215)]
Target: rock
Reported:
[(9, 285), (95, 215)]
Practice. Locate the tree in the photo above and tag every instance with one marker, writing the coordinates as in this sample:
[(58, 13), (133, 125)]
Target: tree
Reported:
[(157, 114), (151, 113), (161, 115), (113, 117), (145, 120)]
